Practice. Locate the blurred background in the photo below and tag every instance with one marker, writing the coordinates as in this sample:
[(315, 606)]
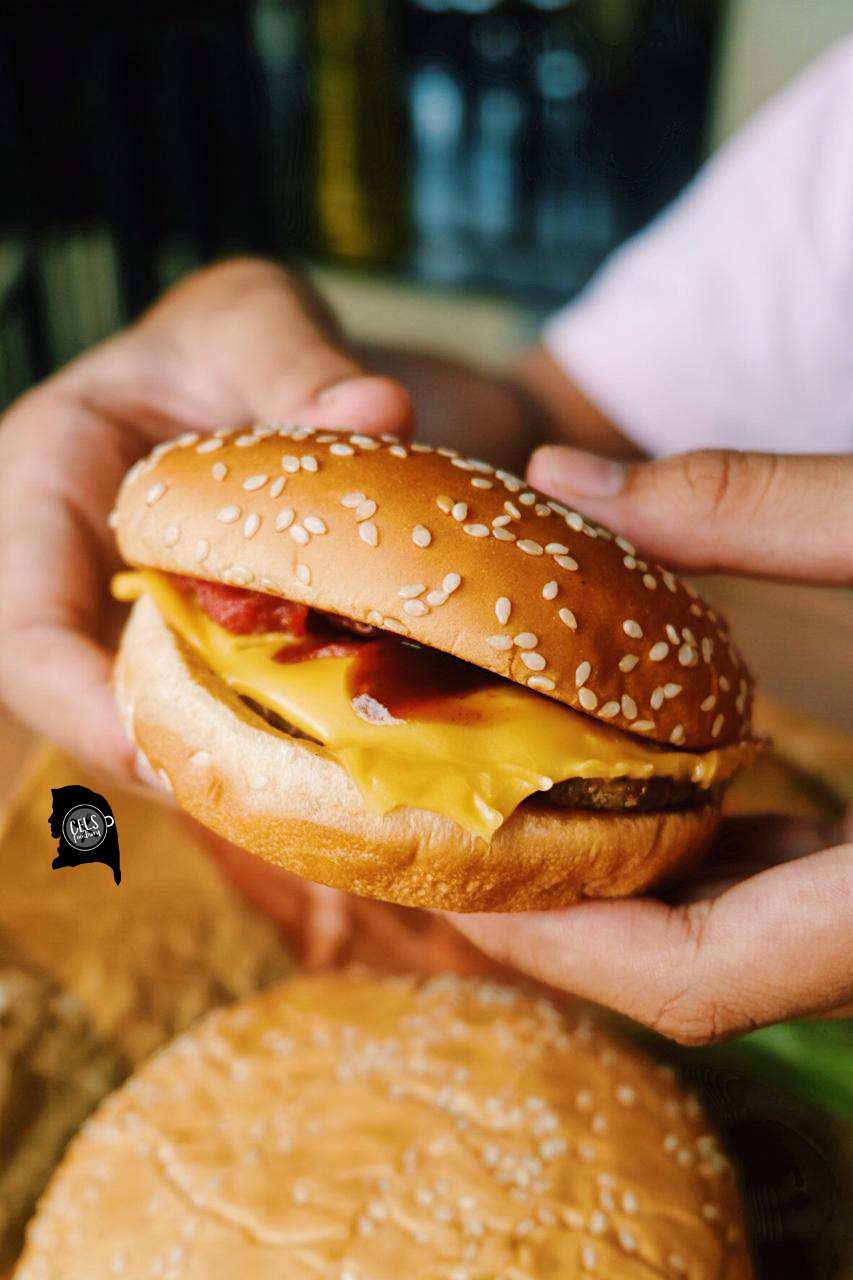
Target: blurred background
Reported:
[(460, 159)]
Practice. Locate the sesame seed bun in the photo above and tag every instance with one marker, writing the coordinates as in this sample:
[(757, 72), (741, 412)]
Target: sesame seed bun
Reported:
[(459, 557), (290, 801), (363, 1129), (544, 599)]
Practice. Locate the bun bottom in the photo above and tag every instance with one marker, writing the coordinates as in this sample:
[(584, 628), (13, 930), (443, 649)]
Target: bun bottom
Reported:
[(289, 801)]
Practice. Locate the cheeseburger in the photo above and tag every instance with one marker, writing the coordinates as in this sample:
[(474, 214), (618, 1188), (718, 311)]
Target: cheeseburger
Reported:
[(405, 673), (349, 1128)]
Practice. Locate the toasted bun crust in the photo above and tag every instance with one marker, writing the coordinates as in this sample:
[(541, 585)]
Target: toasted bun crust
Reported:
[(405, 537), (353, 1127), (290, 801)]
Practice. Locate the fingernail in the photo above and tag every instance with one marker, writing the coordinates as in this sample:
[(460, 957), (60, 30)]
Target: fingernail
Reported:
[(329, 394), (573, 471)]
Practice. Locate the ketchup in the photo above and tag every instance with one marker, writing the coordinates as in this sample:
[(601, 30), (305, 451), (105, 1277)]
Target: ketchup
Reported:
[(405, 678)]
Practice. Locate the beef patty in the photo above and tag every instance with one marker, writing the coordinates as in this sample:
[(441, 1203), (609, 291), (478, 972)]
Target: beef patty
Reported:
[(639, 795)]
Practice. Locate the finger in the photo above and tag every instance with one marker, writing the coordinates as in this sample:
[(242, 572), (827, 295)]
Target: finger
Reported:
[(775, 946), (784, 516), (264, 340)]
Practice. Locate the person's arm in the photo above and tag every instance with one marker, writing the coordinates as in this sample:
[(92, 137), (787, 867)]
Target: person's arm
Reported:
[(762, 933)]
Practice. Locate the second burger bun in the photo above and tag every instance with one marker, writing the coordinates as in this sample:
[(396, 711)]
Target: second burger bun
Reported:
[(512, 582)]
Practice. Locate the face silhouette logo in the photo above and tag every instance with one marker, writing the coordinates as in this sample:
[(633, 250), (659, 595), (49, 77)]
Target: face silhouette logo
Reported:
[(83, 823)]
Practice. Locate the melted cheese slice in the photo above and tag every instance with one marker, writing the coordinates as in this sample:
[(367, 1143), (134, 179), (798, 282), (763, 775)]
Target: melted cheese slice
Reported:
[(513, 742)]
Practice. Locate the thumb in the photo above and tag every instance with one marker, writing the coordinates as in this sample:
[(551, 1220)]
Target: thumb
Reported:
[(261, 334), (786, 516)]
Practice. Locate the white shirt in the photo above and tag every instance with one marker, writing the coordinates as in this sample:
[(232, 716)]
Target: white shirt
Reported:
[(729, 321)]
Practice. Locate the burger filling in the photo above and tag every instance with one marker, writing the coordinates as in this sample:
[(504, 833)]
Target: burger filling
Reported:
[(414, 726)]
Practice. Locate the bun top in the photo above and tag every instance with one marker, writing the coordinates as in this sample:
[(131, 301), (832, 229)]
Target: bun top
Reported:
[(365, 1129), (451, 552)]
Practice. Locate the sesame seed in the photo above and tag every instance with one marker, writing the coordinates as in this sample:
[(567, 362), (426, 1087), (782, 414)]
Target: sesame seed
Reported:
[(629, 1202), (669, 581), (629, 707), (716, 727), (499, 521), (365, 509), (656, 700), (673, 634), (549, 590), (480, 482), (219, 470), (671, 690), (314, 524), (303, 573), (290, 463), (436, 598), (626, 1095), (415, 608), (557, 549), (444, 503), (155, 493), (597, 1222), (724, 684), (609, 710), (367, 442), (451, 582), (707, 648), (352, 499), (689, 636), (685, 655), (413, 589), (284, 518), (632, 629), (421, 536), (566, 562), (255, 482), (341, 450), (628, 662), (417, 446), (710, 1212), (171, 536), (534, 661), (244, 441), (464, 464), (643, 726), (477, 530), (526, 640), (513, 510), (582, 674), (627, 1240), (277, 486), (629, 562), (587, 699), (227, 515), (368, 533), (388, 438), (299, 534), (499, 642), (677, 735), (396, 451), (236, 574), (251, 525), (658, 651), (650, 582), (545, 683), (503, 535), (708, 704), (459, 510), (624, 545), (588, 1257), (208, 446), (202, 549), (503, 608), (527, 499)]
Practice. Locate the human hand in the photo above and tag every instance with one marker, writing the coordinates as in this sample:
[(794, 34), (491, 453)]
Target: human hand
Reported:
[(237, 342), (766, 931)]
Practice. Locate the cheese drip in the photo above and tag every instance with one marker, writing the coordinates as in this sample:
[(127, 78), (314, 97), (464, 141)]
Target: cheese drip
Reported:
[(512, 744)]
